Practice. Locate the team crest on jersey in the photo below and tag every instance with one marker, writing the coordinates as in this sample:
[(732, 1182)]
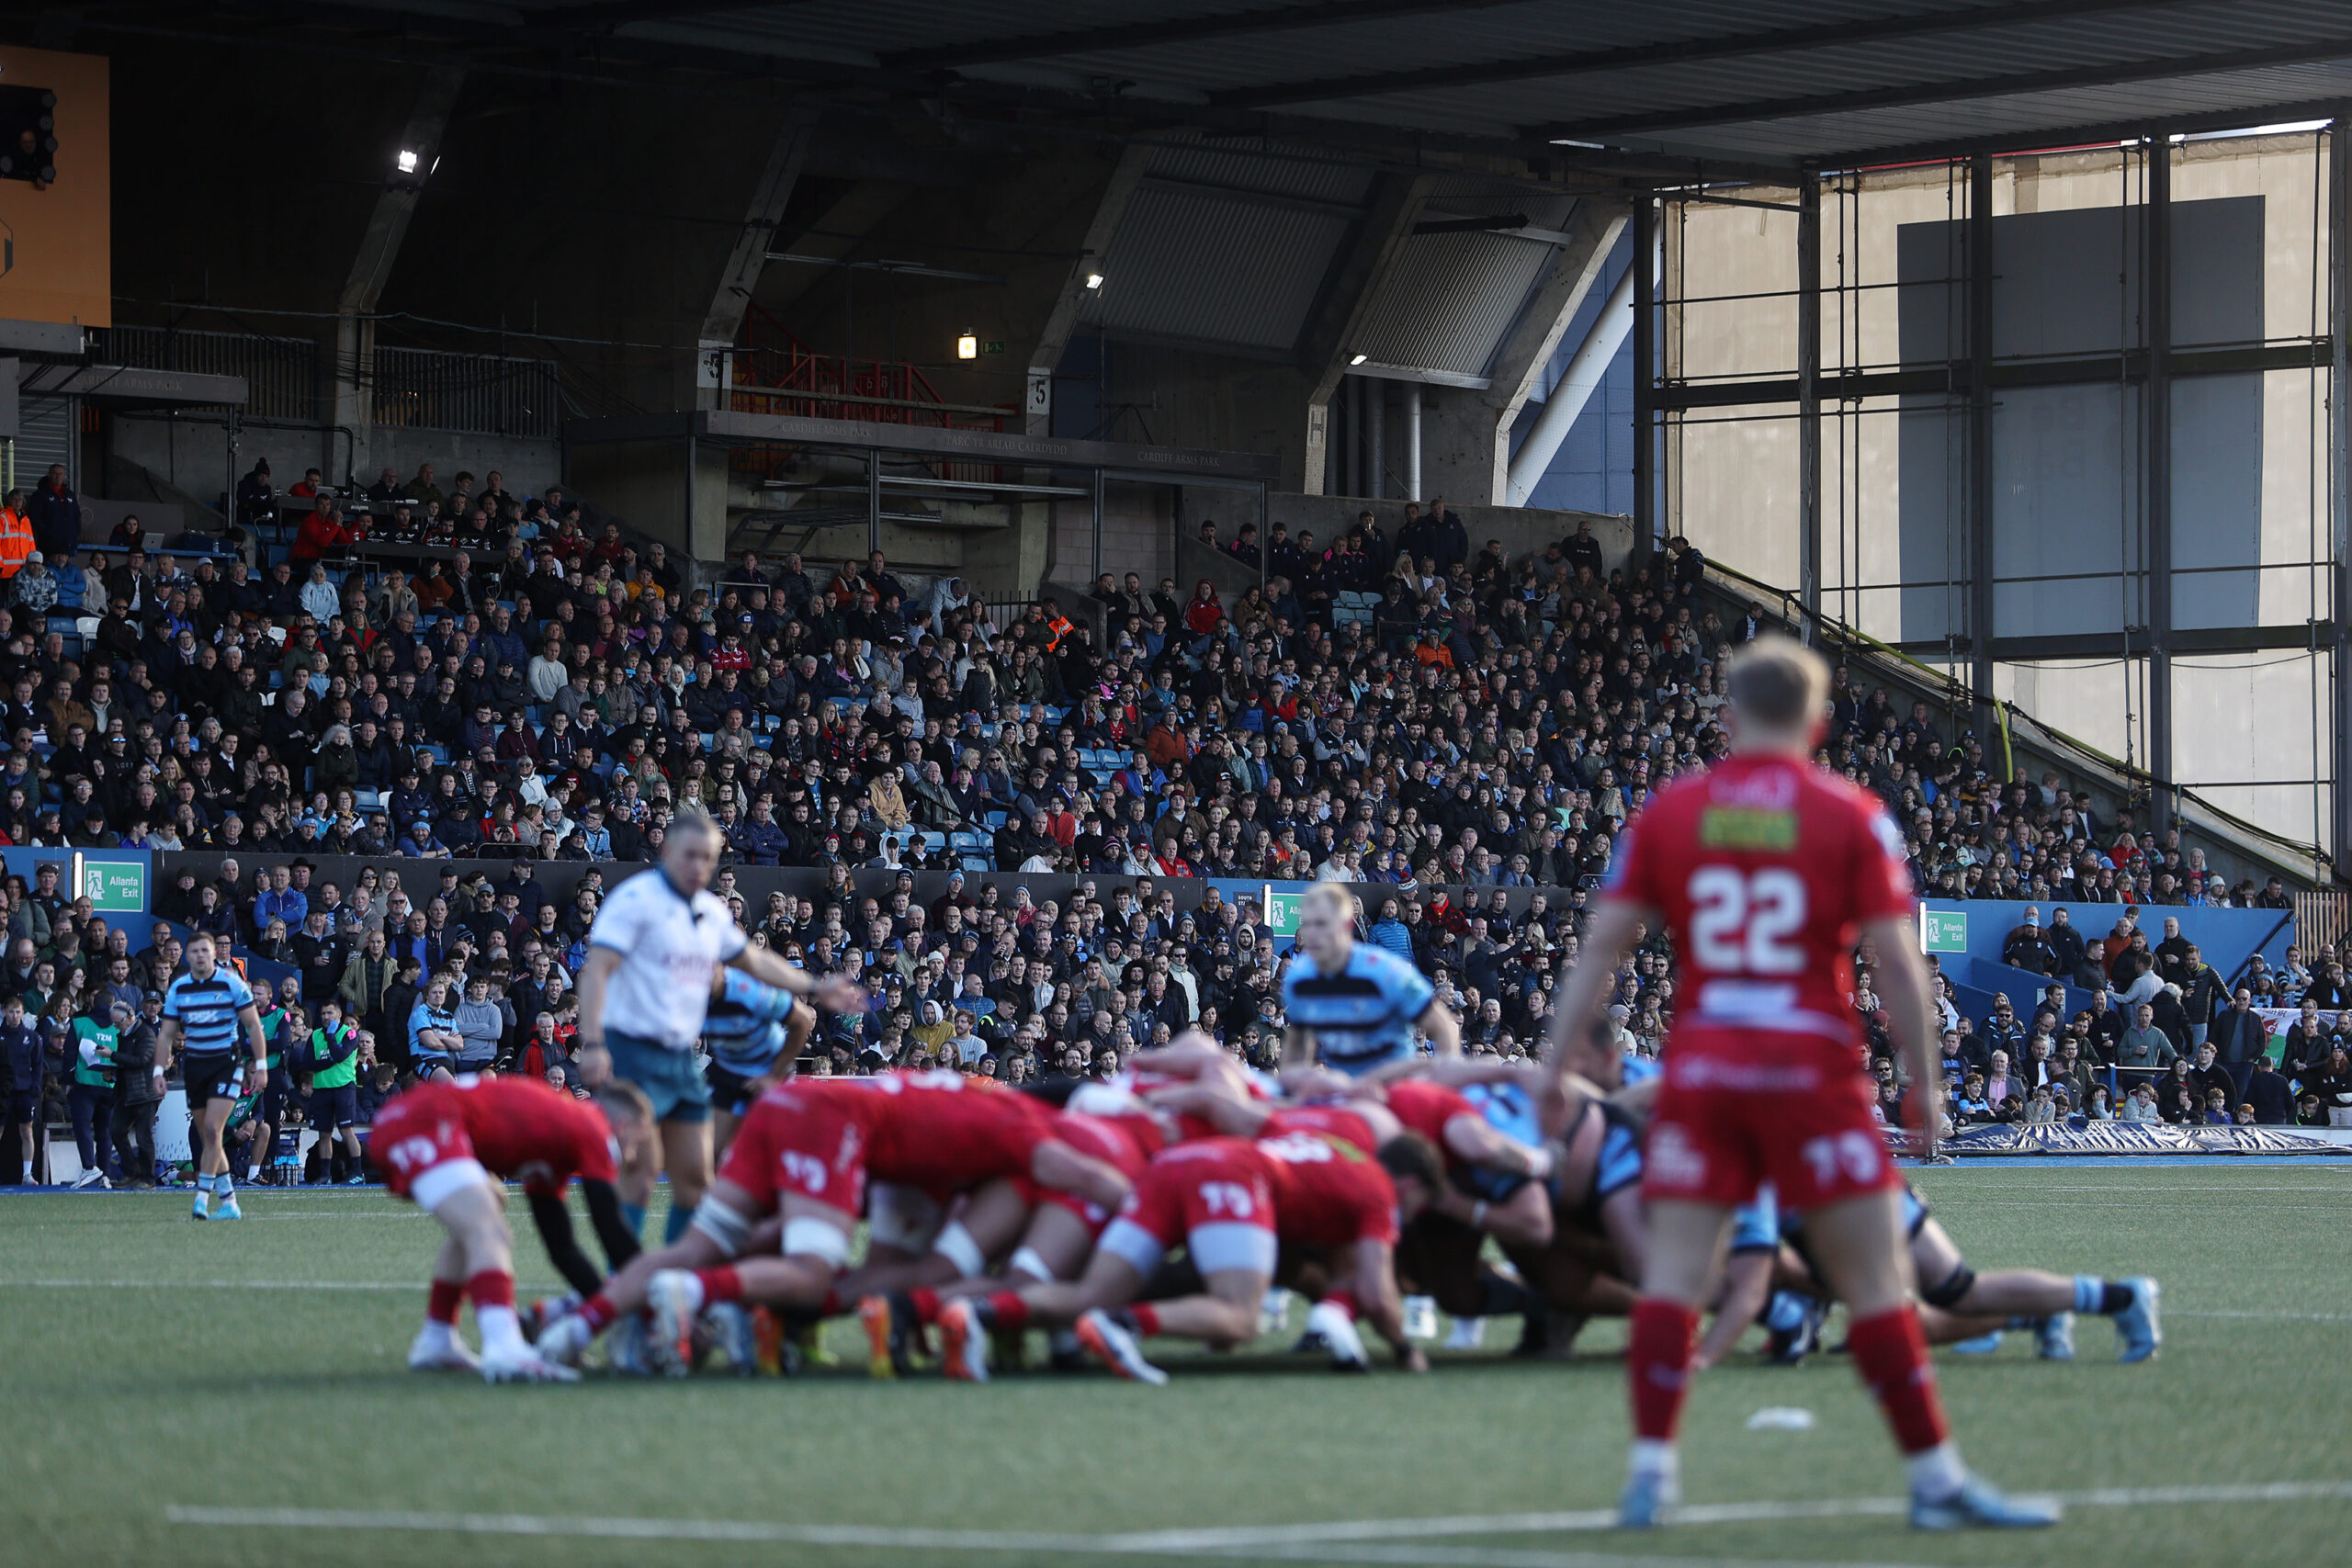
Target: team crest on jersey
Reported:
[(1672, 1160), (1748, 828)]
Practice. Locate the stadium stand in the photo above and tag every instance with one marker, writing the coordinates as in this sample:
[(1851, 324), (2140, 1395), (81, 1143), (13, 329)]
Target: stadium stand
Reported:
[(1465, 750)]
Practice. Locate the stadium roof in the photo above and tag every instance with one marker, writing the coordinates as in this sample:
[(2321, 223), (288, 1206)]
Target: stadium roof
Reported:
[(1731, 83)]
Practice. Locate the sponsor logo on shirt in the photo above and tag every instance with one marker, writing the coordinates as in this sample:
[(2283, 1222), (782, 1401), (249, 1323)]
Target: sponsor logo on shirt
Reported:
[(1773, 789), (1748, 828)]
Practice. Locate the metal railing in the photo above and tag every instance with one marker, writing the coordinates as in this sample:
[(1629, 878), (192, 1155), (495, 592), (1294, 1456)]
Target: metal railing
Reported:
[(776, 373), (281, 373), (482, 394), (2084, 764), (2323, 919)]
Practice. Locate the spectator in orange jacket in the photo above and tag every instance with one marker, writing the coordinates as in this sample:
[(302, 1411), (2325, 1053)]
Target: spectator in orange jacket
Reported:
[(15, 534)]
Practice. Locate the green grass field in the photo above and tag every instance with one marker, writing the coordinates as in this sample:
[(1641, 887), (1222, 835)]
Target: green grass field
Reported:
[(149, 1367)]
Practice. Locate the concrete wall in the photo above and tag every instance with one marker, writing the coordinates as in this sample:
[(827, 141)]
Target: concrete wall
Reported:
[(1185, 396), (1138, 522), (191, 452), (643, 482), (1522, 529)]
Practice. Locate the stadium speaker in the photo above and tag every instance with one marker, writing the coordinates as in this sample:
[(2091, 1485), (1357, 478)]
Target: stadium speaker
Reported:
[(28, 135)]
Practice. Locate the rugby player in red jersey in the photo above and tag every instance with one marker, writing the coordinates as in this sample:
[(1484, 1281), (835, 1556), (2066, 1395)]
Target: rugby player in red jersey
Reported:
[(1041, 1234), (1233, 1202), (1495, 1186), (1764, 869), (445, 1145), (806, 1151), (1353, 1115)]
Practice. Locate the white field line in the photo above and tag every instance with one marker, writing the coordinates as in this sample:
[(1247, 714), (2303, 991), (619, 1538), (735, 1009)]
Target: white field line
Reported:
[(1436, 1556), (2218, 1191), (1347, 1540), (2271, 1316), (241, 1285), (1964, 1207), (212, 1284)]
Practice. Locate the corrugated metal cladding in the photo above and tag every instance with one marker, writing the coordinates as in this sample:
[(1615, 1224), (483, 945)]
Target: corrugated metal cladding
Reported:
[(2020, 116), (1207, 270), (47, 430), (1454, 298), (2179, 31), (1277, 170), (1355, 45)]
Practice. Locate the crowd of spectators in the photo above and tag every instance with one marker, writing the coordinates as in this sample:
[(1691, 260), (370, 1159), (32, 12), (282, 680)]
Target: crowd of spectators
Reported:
[(2164, 1036), (1456, 731)]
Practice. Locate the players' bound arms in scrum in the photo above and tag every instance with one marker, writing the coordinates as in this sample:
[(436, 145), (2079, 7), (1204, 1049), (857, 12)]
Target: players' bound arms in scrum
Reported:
[(1471, 1139), (1229, 1115)]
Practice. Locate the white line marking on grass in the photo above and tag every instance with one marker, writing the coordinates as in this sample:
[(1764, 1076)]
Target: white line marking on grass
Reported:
[(2276, 1316), (212, 1284), (1503, 1557), (2230, 1191), (1970, 1204), (1345, 1540), (638, 1528), (241, 1285)]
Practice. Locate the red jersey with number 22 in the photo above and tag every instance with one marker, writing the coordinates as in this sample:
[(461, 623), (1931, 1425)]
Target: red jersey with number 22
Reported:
[(1764, 868)]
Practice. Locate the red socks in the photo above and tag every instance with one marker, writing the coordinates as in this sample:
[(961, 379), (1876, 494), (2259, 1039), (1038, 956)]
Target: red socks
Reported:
[(491, 1287), (1658, 1366), (1892, 1355), (1145, 1318), (442, 1305), (598, 1311), (1006, 1309), (1345, 1300), (720, 1285), (1889, 1352), (926, 1304)]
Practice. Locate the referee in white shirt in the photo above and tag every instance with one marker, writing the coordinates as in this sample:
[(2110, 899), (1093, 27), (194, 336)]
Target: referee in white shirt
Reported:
[(656, 942)]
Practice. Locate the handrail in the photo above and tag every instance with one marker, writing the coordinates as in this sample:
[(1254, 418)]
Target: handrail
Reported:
[(1794, 609)]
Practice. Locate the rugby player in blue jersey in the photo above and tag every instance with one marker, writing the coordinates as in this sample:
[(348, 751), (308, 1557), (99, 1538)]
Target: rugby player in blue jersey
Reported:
[(1355, 1004)]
